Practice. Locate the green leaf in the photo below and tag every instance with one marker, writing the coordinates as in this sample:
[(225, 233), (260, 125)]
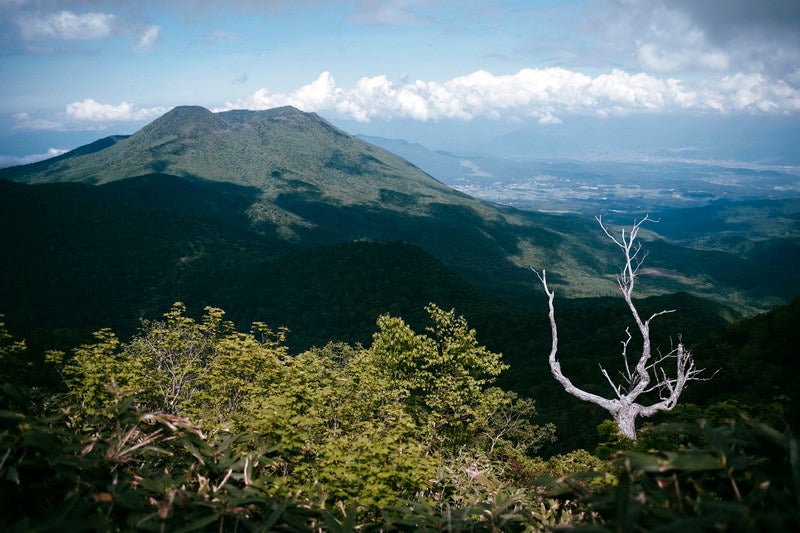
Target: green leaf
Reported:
[(199, 524), (11, 415), (691, 462), (12, 475)]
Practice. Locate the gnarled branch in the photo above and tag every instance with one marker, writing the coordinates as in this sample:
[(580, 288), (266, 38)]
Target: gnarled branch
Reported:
[(637, 381)]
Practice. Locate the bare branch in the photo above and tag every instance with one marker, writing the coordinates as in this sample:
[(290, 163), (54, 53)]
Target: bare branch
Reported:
[(625, 344), (648, 375), (659, 313), (617, 388), (555, 366)]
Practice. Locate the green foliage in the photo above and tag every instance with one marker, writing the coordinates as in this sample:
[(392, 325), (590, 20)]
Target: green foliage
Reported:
[(159, 472), (366, 427), (735, 477), (759, 373), (444, 374), (243, 366), (611, 440), (340, 438), (503, 420), (204, 369), (374, 467), (134, 471), (320, 440), (574, 462), (12, 354), (92, 369)]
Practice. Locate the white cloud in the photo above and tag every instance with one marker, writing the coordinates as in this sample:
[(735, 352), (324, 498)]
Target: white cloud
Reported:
[(85, 115), (548, 120), (319, 94), (753, 93), (93, 111), (148, 39), (26, 122), (66, 25), (13, 160), (653, 57), (539, 93)]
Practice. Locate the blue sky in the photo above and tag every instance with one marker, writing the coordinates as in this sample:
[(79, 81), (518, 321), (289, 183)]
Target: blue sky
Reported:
[(75, 71)]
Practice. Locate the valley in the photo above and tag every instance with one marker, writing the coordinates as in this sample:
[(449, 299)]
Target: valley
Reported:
[(633, 186)]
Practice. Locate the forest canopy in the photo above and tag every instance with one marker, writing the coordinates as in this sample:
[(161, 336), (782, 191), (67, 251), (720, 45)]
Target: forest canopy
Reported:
[(192, 424)]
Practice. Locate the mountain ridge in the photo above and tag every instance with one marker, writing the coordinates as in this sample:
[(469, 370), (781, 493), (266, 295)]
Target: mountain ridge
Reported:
[(302, 180), (317, 183)]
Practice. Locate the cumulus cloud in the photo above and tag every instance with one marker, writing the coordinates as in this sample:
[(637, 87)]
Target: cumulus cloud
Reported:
[(85, 115), (66, 25), (93, 111), (542, 94), (148, 39), (549, 119)]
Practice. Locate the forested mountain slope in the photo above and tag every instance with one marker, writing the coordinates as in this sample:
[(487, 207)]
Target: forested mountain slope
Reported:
[(292, 178)]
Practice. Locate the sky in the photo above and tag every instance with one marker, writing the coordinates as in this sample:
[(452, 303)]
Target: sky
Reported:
[(430, 71)]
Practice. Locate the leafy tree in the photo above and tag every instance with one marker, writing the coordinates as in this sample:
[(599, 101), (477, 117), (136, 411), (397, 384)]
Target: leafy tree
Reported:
[(343, 427), (339, 425), (244, 365), (444, 373), (93, 371), (170, 358), (504, 420)]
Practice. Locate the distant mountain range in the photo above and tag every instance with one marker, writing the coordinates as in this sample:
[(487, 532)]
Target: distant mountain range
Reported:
[(259, 211), (589, 186)]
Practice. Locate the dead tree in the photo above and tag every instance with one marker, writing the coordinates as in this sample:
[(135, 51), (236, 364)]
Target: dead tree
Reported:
[(649, 374)]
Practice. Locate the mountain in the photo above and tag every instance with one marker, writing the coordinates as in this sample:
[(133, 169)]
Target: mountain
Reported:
[(281, 179), (280, 151), (315, 184)]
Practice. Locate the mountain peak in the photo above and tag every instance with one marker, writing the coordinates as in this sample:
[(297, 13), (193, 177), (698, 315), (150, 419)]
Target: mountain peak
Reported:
[(183, 122), (188, 111), (282, 151), (285, 114), (185, 114)]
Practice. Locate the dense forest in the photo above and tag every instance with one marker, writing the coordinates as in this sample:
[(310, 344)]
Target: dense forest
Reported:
[(195, 424)]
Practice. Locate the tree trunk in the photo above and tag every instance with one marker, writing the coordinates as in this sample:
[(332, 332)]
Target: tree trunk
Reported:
[(626, 421)]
